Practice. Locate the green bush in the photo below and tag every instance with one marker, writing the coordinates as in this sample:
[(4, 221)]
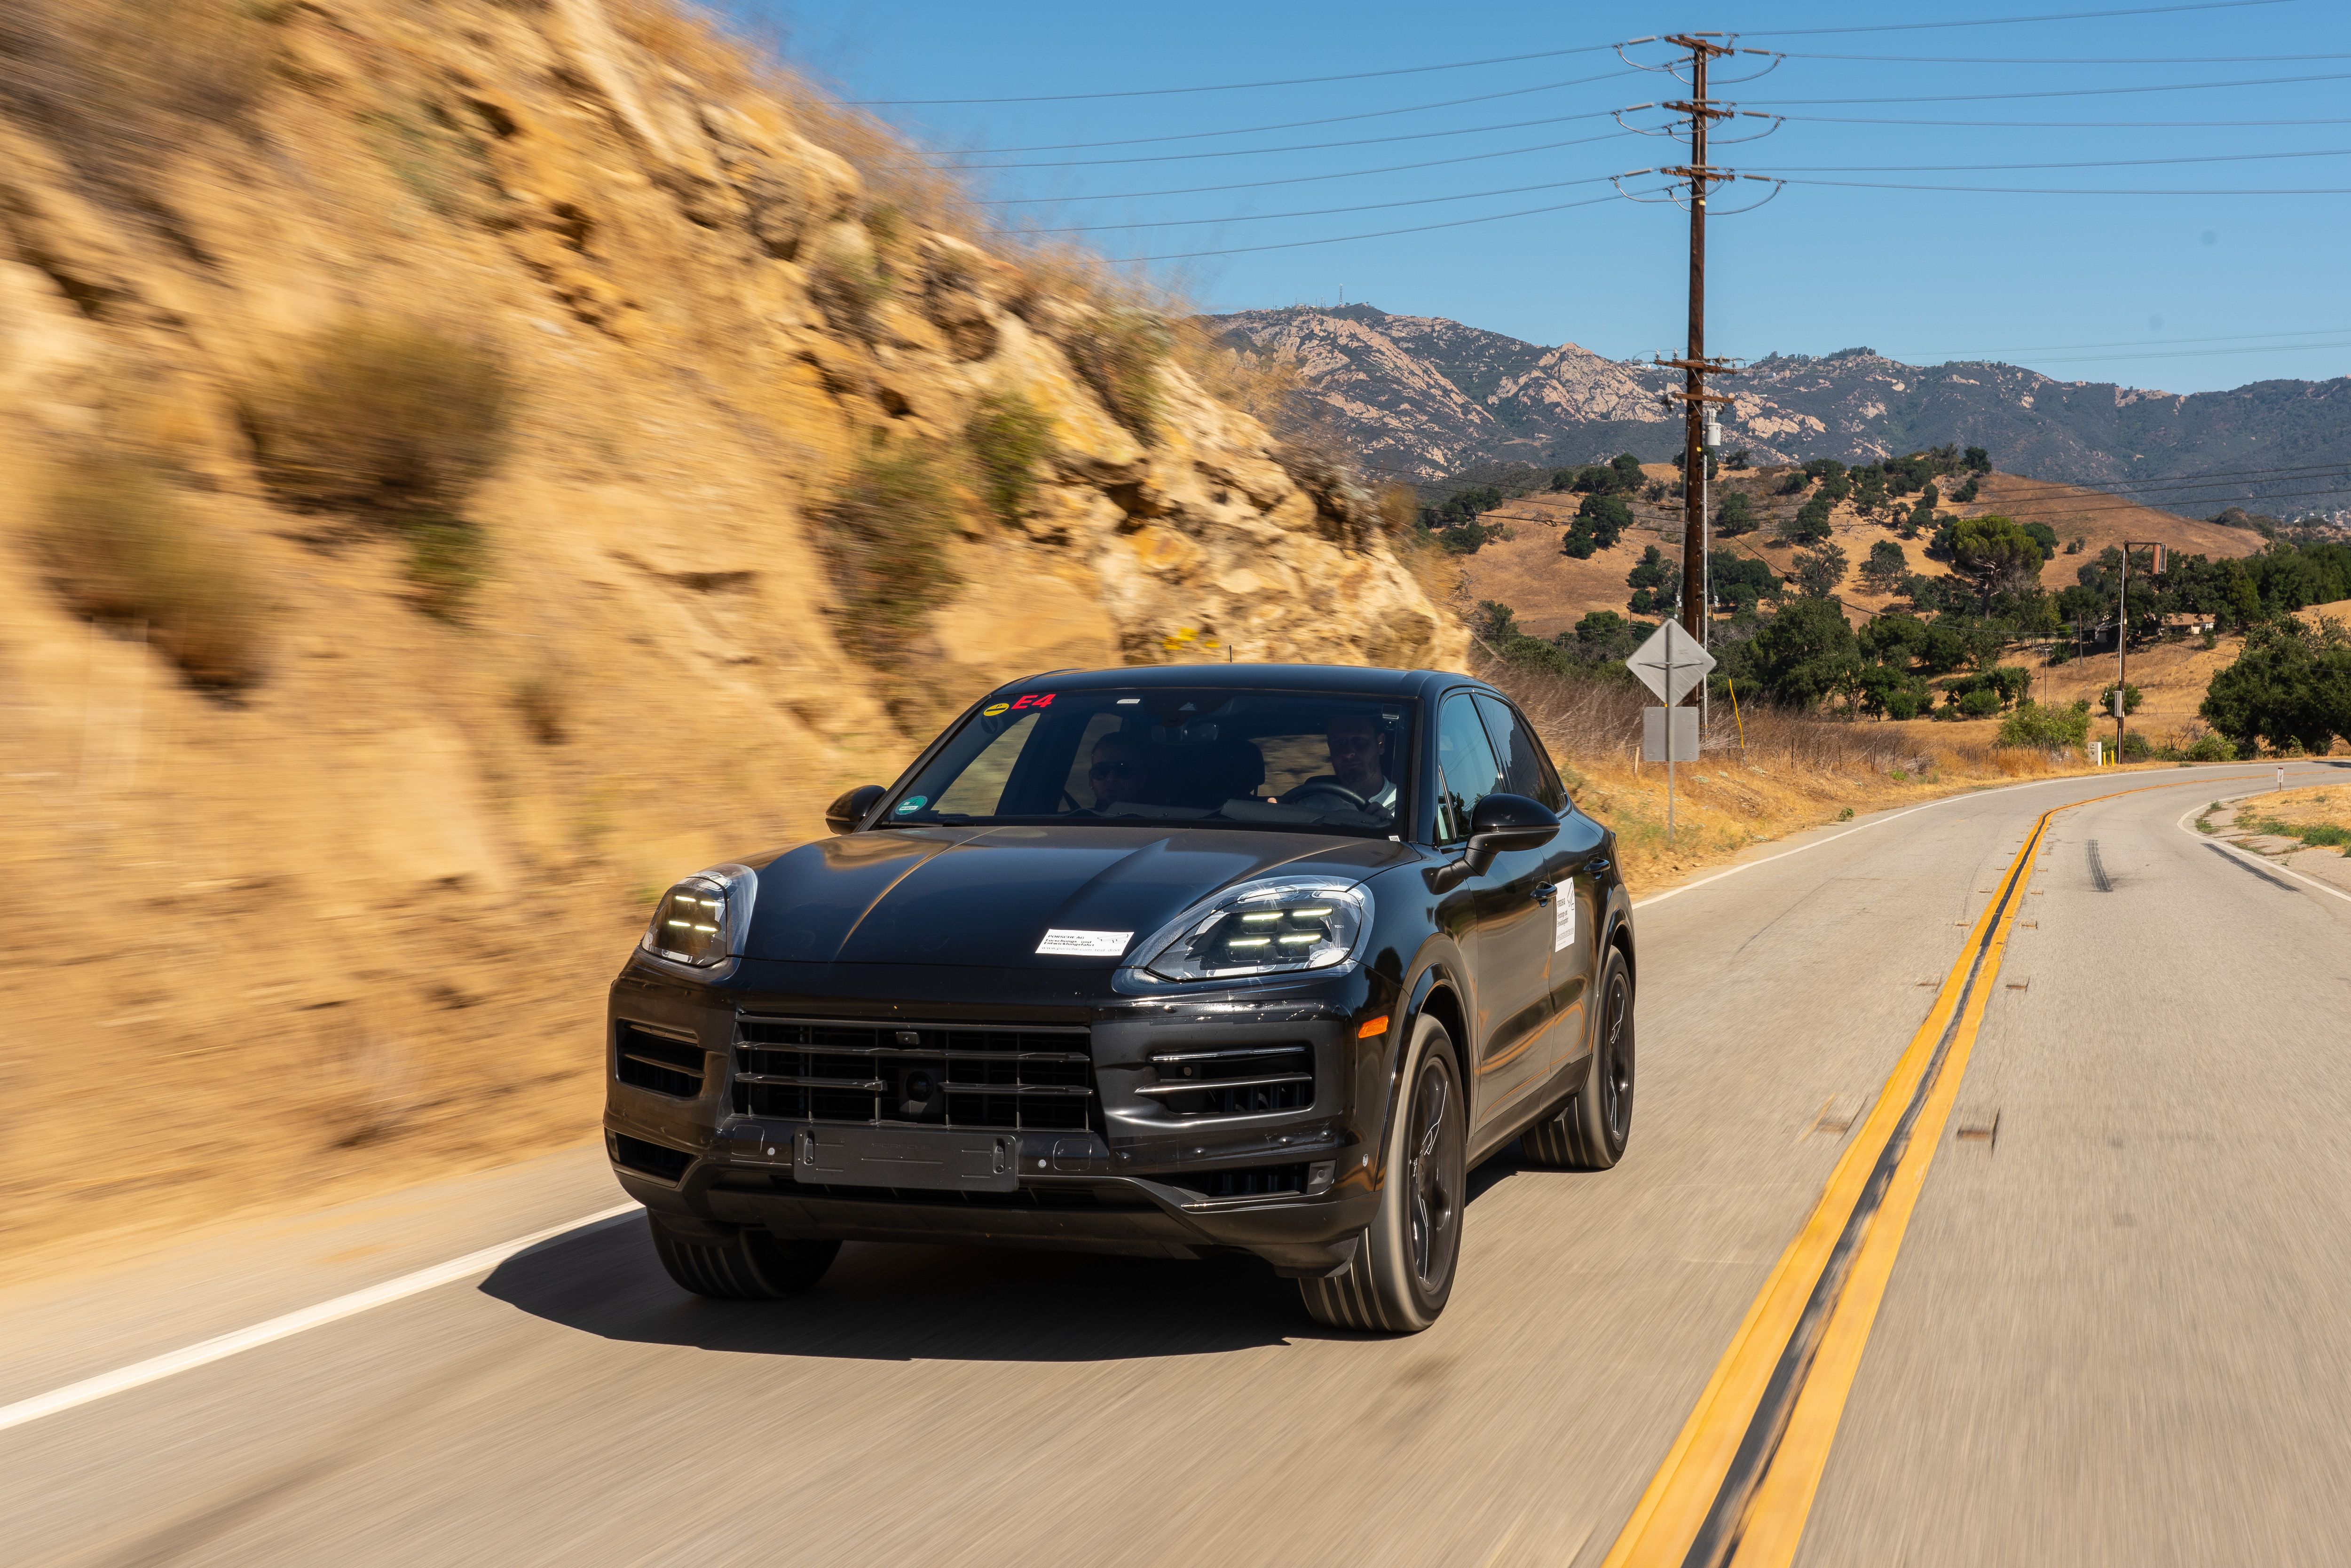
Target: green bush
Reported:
[(120, 547), (1980, 703), (1118, 354), (1811, 523), (1735, 516), (379, 415), (2106, 704), (2208, 748), (445, 563), (2135, 747), (1600, 521), (883, 534), (2045, 727), (1009, 436)]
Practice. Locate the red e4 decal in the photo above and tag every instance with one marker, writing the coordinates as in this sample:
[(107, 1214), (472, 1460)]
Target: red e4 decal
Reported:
[(1033, 700)]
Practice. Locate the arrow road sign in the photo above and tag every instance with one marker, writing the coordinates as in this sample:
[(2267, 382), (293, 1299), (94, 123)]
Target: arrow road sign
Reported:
[(1670, 663)]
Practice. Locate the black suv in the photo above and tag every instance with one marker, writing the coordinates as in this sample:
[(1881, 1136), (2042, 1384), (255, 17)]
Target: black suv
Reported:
[(1170, 961)]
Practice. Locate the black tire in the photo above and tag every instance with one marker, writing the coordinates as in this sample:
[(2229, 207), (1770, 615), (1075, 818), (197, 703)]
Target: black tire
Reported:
[(753, 1267), (1590, 1130), (1401, 1273)]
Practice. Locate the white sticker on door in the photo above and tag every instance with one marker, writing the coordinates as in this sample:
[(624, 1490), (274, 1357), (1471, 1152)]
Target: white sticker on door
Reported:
[(1563, 920), (1086, 943)]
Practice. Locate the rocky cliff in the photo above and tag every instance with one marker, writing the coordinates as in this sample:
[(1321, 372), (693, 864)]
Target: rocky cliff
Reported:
[(1427, 397), (338, 798)]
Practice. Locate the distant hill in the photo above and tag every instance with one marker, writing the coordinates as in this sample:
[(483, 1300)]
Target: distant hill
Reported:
[(1549, 591), (1424, 397)]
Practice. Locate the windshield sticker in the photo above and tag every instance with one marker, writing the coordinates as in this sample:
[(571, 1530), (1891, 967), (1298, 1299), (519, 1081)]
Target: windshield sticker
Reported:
[(992, 709), (1086, 943), (912, 804), (1033, 700)]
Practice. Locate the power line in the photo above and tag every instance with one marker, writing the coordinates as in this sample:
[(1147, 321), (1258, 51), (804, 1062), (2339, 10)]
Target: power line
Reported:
[(2059, 124), (1282, 125), (2085, 164), (1306, 179), (1298, 147), (1382, 233), (1974, 354), (2008, 21), (2060, 93), (2186, 354), (2055, 191), (1236, 86), (2074, 59)]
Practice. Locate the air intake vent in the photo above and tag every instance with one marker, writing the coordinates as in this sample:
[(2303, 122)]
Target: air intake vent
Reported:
[(1240, 1082), (649, 1159), (656, 1062), (1250, 1183), (1009, 1078)]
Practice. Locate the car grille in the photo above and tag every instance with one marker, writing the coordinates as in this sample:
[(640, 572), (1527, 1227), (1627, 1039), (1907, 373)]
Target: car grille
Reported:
[(1011, 1078), (1249, 1182), (665, 1066), (650, 1159), (1239, 1081)]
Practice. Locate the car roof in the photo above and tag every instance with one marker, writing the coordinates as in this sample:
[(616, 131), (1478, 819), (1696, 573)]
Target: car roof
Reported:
[(1353, 679)]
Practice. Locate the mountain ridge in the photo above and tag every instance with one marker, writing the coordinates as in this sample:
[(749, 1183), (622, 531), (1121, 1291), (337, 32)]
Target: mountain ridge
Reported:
[(1424, 396)]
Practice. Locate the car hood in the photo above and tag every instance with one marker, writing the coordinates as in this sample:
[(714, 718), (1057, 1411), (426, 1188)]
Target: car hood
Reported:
[(988, 895)]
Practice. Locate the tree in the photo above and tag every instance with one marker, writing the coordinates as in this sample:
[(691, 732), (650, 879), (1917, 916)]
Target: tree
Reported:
[(1738, 459), (2130, 699), (1628, 476), (1735, 516), (1741, 581), (1818, 571), (1600, 521), (1603, 634), (1886, 567), (1806, 653), (1993, 553), (2046, 728), (1869, 487), (2291, 685), (2244, 598), (1494, 620), (2045, 536), (1795, 482), (1978, 460), (1655, 580), (1811, 523), (1966, 492)]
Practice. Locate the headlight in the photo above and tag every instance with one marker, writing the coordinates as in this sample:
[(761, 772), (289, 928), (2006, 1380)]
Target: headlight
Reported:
[(701, 920), (1279, 926)]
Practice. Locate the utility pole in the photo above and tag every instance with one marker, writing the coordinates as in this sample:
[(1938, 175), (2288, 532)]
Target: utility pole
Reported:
[(1702, 111)]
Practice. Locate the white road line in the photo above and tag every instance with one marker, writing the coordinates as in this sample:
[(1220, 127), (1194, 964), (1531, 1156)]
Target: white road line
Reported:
[(1878, 822), (2262, 861), (156, 1368)]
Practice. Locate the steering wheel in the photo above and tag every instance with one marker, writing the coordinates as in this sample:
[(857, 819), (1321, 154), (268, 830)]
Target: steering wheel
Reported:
[(1332, 790)]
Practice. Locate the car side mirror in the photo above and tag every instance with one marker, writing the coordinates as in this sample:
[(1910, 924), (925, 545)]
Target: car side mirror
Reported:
[(1497, 825), (844, 815)]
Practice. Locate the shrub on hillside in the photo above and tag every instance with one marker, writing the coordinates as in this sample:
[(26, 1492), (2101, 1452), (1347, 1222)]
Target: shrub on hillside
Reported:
[(1118, 354), (1818, 571), (882, 535), (2045, 727), (1735, 516), (2291, 685), (1009, 436), (2130, 699), (1886, 567), (381, 415), (1655, 580), (1600, 522), (120, 547), (1811, 523)]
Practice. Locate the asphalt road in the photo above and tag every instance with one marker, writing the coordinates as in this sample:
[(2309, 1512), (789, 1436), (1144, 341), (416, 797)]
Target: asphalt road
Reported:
[(2114, 1334)]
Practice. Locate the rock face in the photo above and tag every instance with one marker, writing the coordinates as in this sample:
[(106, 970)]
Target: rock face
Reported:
[(1429, 397), (379, 887)]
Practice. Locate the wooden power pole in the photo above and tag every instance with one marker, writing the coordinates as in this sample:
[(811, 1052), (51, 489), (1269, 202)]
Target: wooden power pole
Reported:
[(1702, 111)]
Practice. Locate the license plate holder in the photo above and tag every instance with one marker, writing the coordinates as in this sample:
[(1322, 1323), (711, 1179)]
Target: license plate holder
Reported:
[(921, 1159)]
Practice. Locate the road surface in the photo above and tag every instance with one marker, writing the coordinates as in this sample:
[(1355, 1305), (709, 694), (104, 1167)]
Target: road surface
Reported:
[(2113, 1332)]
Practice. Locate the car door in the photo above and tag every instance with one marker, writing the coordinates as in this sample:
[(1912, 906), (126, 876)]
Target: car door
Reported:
[(1568, 872), (1511, 958)]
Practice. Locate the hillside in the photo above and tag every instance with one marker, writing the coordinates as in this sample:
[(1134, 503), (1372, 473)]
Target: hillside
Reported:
[(470, 465), (1427, 397), (1550, 591)]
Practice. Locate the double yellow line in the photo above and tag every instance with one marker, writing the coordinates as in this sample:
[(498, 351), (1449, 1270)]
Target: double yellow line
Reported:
[(1739, 1482)]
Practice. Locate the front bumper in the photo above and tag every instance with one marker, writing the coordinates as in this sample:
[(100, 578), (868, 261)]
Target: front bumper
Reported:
[(1294, 1185)]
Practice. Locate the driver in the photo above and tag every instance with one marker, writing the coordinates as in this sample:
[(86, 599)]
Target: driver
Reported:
[(1116, 774), (1358, 749)]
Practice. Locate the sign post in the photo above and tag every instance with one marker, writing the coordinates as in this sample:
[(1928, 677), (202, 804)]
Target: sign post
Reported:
[(1670, 664)]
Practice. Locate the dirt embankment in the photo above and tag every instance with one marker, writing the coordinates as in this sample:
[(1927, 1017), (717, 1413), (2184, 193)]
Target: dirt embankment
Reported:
[(344, 752)]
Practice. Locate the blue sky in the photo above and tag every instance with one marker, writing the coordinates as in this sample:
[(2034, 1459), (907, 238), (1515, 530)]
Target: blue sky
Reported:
[(2179, 292)]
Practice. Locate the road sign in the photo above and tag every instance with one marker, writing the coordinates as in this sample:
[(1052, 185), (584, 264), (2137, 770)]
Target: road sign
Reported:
[(1670, 663), (1677, 742)]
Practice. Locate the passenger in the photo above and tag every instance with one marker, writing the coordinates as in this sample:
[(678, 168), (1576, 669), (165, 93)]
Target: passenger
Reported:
[(1358, 748), (1116, 775)]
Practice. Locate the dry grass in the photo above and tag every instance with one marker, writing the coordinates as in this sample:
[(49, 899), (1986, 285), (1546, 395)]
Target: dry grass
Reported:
[(883, 534), (379, 415), (1792, 773), (2320, 816), (119, 546)]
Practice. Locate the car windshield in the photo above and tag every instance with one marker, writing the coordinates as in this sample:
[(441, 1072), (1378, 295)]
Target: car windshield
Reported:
[(1215, 757)]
